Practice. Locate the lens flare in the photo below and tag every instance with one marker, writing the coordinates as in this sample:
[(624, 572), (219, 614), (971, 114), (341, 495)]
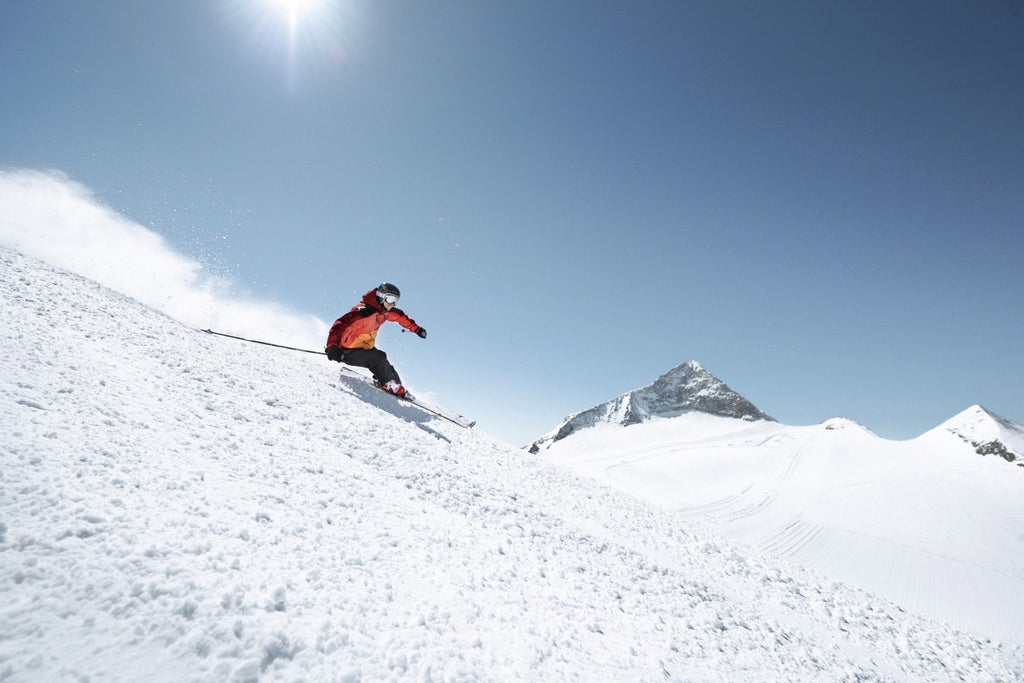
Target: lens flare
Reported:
[(306, 37)]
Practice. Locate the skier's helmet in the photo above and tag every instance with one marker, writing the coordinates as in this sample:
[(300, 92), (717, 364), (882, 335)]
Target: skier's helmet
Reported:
[(388, 293)]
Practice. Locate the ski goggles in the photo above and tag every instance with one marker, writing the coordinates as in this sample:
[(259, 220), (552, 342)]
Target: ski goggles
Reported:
[(388, 298)]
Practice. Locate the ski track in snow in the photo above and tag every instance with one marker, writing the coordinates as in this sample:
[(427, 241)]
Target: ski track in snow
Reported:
[(784, 492), (982, 599), (179, 507)]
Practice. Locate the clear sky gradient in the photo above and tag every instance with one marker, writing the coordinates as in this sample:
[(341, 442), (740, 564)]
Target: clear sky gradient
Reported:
[(822, 202)]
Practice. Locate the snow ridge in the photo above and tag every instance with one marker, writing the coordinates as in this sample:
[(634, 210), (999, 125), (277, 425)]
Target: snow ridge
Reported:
[(687, 387), (988, 433)]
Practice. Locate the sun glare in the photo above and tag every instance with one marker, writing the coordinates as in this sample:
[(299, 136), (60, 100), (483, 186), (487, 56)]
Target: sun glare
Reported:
[(292, 7), (293, 11), (304, 36)]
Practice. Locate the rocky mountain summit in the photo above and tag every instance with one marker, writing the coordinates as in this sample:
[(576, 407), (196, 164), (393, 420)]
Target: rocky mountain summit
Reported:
[(688, 387), (988, 433)]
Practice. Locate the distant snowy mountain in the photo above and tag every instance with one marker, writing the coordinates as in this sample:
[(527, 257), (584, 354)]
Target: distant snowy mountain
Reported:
[(837, 423), (688, 387), (923, 522), (987, 433)]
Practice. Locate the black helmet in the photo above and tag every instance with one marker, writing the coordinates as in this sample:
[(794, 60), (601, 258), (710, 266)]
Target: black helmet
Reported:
[(387, 292)]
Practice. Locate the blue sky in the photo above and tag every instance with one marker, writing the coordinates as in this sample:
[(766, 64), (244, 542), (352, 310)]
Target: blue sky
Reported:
[(819, 201)]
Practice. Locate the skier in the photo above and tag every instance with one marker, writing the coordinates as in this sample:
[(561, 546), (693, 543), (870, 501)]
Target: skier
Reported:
[(353, 335)]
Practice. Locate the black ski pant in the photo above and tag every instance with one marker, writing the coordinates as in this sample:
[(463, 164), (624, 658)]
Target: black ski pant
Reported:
[(374, 360)]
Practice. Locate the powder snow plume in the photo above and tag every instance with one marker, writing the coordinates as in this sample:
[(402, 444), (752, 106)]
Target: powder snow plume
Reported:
[(47, 215)]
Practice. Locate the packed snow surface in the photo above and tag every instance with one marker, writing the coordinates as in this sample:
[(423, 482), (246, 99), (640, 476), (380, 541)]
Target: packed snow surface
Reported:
[(176, 506), (927, 523)]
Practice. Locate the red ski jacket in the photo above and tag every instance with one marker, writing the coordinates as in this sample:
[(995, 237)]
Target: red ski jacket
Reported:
[(357, 329)]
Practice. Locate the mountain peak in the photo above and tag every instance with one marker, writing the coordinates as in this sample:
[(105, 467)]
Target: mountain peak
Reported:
[(987, 433), (685, 388), (689, 387)]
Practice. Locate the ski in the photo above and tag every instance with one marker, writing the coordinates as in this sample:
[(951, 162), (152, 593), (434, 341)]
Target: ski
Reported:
[(451, 416)]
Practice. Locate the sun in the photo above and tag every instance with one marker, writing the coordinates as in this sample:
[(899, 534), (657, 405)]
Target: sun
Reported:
[(308, 38), (294, 11)]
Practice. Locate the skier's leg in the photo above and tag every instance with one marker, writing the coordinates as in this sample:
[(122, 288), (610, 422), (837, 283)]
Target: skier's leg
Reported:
[(374, 360)]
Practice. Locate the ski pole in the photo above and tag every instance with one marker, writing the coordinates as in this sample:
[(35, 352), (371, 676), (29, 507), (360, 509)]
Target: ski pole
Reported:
[(256, 341)]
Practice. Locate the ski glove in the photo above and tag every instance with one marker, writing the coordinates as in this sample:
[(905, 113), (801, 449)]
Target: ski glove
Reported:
[(366, 311), (421, 333), (335, 353)]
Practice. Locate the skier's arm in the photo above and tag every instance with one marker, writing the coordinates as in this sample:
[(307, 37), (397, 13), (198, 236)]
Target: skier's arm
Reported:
[(405, 321)]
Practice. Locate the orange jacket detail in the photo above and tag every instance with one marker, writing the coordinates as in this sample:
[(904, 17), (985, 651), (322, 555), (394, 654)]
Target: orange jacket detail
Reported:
[(357, 331)]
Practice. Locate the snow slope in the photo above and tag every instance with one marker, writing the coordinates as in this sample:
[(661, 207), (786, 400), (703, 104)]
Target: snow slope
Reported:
[(175, 506), (926, 523)]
